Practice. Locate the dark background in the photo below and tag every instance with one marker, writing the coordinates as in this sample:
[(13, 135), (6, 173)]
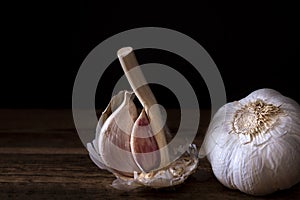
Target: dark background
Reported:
[(43, 46)]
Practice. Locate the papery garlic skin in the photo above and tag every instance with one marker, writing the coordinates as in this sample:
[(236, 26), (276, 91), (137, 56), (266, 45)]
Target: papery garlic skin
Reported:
[(174, 174), (254, 144)]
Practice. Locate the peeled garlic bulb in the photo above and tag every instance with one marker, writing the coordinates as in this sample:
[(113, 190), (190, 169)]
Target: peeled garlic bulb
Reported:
[(125, 145), (254, 144), (133, 146)]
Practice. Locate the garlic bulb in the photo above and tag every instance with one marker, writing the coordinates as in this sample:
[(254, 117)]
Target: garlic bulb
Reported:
[(254, 144), (133, 146), (133, 158)]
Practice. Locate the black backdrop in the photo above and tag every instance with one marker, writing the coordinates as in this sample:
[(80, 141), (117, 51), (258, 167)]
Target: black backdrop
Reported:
[(43, 46)]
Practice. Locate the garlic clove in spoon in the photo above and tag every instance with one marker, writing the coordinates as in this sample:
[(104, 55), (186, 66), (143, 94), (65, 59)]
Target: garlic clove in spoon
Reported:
[(254, 144)]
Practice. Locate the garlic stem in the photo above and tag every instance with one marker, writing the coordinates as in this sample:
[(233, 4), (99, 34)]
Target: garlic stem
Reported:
[(144, 94)]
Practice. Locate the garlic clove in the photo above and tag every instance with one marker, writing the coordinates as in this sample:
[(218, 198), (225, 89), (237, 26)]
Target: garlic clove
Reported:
[(114, 103), (143, 144), (114, 136)]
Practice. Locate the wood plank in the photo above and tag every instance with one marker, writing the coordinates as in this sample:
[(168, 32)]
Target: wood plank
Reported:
[(42, 150), (42, 157), (75, 176)]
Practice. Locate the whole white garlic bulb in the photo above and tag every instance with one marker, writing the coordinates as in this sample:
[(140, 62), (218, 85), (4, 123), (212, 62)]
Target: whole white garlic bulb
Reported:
[(254, 144)]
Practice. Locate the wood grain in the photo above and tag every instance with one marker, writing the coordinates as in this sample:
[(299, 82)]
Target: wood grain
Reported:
[(49, 162)]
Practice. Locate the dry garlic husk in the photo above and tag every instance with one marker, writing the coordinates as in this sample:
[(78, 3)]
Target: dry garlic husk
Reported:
[(254, 144), (135, 158)]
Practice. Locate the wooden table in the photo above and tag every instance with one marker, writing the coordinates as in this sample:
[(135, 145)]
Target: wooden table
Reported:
[(42, 157)]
